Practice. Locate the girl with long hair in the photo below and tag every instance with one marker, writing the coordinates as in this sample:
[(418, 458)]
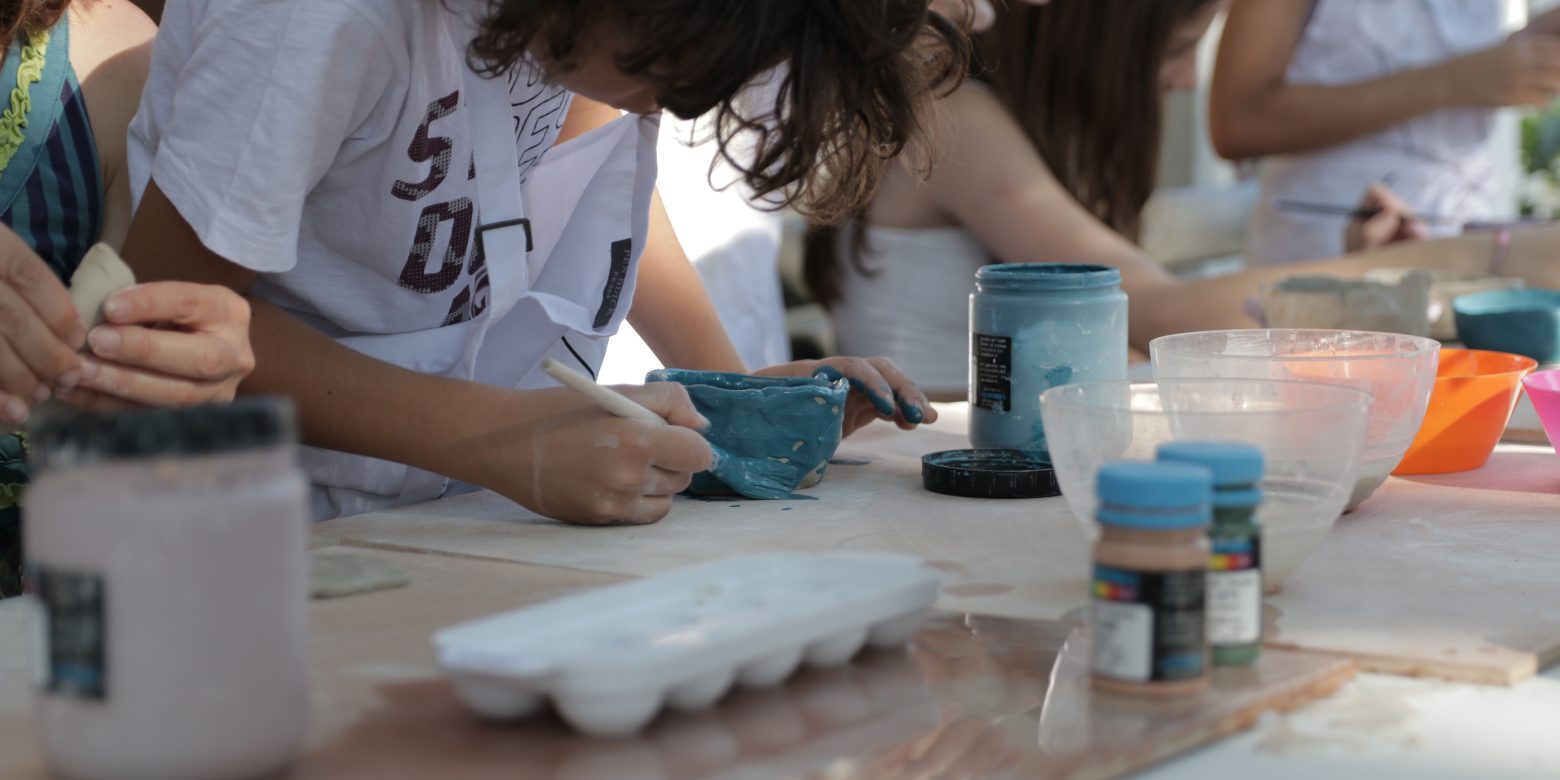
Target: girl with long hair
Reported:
[(1049, 155)]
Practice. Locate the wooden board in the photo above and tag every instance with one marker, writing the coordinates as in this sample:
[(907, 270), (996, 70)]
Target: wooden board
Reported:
[(1374, 591), (974, 697), (1454, 576)]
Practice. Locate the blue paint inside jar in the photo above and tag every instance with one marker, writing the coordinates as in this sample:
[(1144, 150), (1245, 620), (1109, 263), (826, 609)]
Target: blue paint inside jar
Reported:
[(1035, 326)]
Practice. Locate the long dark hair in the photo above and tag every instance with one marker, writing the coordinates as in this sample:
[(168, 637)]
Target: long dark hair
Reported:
[(25, 17), (861, 75), (1081, 77)]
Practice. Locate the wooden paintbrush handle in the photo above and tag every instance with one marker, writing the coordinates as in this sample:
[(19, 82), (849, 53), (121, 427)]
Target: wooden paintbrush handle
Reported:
[(601, 395)]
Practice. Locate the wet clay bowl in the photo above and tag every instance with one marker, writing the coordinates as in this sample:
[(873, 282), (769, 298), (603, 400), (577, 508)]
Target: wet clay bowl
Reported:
[(1543, 389), (1474, 396), (788, 427), (1312, 436), (1398, 371), (1524, 322)]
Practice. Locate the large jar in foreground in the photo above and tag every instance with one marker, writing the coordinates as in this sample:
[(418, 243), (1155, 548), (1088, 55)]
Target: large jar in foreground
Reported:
[(1034, 326), (167, 551)]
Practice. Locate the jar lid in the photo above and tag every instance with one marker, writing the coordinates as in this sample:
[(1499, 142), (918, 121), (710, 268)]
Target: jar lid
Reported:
[(1234, 465), (1047, 276), (251, 423), (1159, 496), (989, 474)]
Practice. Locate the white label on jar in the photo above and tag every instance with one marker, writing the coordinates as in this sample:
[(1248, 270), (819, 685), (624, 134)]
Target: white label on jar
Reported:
[(1123, 640), (1234, 607)]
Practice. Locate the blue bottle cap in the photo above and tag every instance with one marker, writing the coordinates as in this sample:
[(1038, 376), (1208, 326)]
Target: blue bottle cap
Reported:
[(1234, 465), (1154, 496)]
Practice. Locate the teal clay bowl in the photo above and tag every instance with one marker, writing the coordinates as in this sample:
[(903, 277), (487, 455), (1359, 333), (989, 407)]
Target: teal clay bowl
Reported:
[(786, 428), (1524, 322)]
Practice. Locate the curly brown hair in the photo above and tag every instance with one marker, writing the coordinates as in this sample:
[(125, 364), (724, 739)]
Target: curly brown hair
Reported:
[(859, 75), (25, 17)]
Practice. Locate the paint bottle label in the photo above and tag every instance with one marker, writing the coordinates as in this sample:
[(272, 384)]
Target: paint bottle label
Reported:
[(1149, 626), (993, 372), (1235, 591), (73, 633)]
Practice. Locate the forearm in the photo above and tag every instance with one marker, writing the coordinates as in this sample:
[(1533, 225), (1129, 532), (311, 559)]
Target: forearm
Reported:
[(353, 403), (672, 311), (1218, 304), (1293, 118)]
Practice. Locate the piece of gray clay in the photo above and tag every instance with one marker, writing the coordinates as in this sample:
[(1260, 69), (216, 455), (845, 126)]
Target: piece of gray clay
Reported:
[(336, 575), (101, 274), (1351, 304), (772, 435)]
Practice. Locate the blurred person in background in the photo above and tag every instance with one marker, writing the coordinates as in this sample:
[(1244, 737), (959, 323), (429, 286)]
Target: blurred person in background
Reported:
[(1048, 154), (1336, 95)]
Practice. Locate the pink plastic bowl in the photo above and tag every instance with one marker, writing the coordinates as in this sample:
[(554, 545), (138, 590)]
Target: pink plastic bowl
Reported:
[(1544, 389)]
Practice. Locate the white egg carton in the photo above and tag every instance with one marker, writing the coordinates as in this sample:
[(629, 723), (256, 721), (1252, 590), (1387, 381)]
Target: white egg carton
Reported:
[(609, 658)]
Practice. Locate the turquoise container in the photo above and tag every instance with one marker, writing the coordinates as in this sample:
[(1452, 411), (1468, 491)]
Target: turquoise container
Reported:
[(1033, 327)]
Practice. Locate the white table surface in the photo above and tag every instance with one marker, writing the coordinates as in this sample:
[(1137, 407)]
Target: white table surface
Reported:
[(1375, 727)]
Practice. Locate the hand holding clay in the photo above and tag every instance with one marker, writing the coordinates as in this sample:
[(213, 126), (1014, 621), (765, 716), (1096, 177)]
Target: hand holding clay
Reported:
[(1394, 222), (878, 390), (166, 344), (39, 331), (582, 465)]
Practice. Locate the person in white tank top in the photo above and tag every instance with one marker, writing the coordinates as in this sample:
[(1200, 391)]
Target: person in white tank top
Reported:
[(1022, 176), (1334, 95)]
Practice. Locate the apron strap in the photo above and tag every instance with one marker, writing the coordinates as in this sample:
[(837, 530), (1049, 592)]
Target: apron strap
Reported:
[(504, 232)]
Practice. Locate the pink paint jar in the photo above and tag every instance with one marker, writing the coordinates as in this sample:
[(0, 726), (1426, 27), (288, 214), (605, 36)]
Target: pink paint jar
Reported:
[(167, 555)]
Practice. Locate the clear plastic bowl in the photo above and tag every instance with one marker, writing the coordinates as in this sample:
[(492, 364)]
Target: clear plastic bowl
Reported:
[(1312, 436), (1398, 371)]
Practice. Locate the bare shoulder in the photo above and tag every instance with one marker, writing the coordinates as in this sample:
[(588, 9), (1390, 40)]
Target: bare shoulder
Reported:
[(972, 120), (111, 53), (971, 134), (114, 33)]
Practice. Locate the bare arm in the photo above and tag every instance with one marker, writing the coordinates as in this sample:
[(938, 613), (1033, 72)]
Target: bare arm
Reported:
[(995, 185), (991, 181), (672, 311), (540, 448), (1255, 111)]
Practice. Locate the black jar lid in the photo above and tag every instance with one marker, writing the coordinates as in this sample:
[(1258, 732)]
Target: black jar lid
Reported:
[(989, 474), (248, 424)]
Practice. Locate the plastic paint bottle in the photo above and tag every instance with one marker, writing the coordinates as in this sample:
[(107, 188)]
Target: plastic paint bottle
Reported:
[(167, 554), (1235, 567), (1150, 579), (1034, 326)]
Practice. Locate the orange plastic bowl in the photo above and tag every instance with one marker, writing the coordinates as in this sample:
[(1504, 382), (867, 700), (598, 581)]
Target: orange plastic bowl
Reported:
[(1475, 393)]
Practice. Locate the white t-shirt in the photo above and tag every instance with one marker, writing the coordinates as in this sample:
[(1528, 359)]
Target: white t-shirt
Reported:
[(326, 144)]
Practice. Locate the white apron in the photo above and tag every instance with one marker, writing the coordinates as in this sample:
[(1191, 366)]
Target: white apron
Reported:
[(562, 259), (1439, 163)]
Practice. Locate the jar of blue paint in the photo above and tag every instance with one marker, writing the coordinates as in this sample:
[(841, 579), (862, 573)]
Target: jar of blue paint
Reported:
[(1034, 326)]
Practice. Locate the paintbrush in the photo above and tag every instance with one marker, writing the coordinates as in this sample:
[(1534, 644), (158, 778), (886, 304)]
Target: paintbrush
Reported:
[(750, 477), (1353, 213)]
